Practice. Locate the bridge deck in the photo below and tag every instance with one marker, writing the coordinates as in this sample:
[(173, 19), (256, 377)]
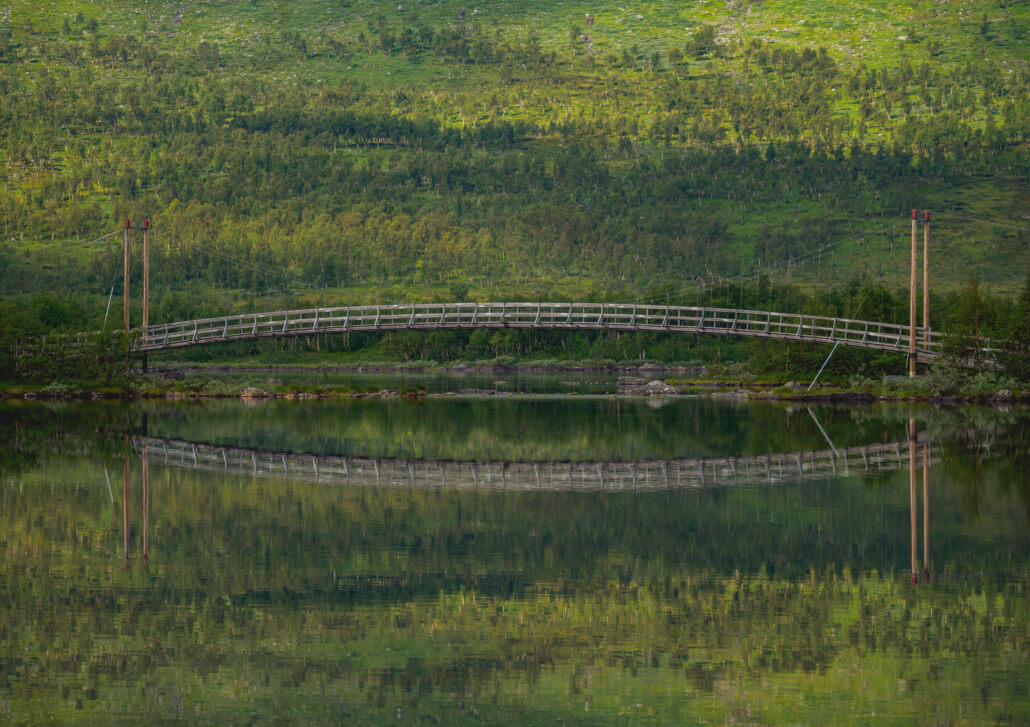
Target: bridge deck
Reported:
[(561, 316)]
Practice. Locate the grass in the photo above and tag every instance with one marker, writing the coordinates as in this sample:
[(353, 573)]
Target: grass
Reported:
[(868, 32)]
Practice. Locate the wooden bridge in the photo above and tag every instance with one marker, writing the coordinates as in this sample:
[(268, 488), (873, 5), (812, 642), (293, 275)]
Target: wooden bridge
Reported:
[(556, 316), (755, 470)]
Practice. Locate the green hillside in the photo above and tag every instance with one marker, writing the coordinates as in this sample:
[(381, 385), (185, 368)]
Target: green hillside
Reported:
[(548, 148)]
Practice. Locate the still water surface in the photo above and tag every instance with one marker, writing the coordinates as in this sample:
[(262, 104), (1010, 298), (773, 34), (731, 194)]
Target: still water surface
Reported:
[(561, 560)]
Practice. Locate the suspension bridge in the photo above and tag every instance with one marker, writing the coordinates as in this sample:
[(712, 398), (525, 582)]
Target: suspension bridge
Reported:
[(528, 315), (919, 343)]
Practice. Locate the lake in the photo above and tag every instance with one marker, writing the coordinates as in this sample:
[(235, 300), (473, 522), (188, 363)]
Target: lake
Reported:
[(537, 560)]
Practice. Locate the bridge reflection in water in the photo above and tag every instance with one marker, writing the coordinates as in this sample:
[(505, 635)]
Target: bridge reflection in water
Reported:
[(763, 469), (653, 475)]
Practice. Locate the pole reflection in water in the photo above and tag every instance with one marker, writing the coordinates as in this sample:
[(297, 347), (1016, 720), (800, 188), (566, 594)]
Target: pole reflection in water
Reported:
[(913, 515), (914, 504), (125, 506), (145, 466), (926, 511), (146, 510)]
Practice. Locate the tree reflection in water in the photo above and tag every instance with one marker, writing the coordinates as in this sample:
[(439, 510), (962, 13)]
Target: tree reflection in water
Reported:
[(288, 594)]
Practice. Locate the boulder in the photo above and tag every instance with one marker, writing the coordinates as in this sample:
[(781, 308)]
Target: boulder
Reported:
[(738, 394), (1003, 395), (253, 392), (657, 386)]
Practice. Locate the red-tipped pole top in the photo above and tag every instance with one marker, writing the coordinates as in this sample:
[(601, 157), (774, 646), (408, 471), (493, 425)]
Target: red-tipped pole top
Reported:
[(915, 214), (926, 215), (127, 225), (146, 224)]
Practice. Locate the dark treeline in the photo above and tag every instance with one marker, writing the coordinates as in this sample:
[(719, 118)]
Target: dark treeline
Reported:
[(240, 198)]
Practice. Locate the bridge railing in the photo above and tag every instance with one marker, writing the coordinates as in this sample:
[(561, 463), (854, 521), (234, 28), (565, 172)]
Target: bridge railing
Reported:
[(626, 316)]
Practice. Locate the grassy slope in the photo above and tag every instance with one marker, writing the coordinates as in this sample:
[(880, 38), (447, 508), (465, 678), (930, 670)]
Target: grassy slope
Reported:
[(873, 34), (869, 31)]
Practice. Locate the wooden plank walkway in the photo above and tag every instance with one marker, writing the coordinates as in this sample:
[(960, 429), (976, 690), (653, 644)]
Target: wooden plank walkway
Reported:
[(757, 470), (559, 316)]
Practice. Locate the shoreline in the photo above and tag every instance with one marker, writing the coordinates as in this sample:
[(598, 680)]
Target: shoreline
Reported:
[(634, 381), (458, 368), (850, 398), (712, 390)]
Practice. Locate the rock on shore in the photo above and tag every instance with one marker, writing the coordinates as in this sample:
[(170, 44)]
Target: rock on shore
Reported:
[(634, 386)]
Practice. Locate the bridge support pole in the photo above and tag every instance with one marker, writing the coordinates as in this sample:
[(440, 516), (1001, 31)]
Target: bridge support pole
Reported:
[(912, 303), (926, 279), (146, 284), (125, 294)]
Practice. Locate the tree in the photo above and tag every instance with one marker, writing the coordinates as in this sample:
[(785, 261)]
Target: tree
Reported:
[(966, 340), (1016, 361), (701, 41)]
